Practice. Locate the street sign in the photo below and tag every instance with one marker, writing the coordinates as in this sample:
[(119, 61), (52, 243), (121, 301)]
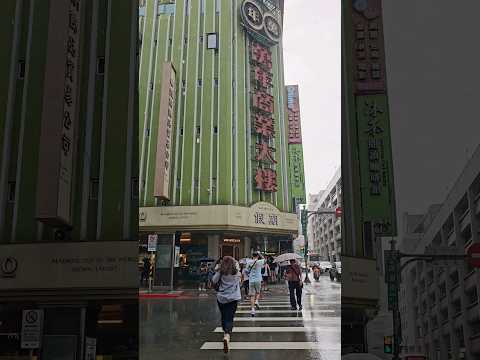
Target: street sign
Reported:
[(32, 328), (388, 344), (152, 242), (473, 254), (392, 266), (338, 212), (392, 296)]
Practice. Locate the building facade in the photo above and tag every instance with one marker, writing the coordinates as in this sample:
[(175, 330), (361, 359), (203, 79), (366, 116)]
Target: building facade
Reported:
[(439, 307), (224, 152), (325, 231), (68, 177)]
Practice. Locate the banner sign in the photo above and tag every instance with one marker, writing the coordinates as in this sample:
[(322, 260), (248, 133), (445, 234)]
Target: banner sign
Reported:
[(261, 20), (368, 51), (376, 169)]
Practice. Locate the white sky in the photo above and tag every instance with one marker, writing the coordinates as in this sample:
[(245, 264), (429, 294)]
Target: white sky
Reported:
[(312, 53)]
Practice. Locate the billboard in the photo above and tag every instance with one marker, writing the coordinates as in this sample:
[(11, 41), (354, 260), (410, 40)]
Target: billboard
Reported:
[(376, 168), (165, 126), (296, 173), (59, 114), (293, 109)]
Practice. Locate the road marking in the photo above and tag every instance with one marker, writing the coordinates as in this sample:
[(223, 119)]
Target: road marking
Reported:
[(257, 345), (262, 329), (279, 318), (282, 311)]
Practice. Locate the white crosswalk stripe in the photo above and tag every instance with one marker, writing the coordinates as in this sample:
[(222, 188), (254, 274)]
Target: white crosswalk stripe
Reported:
[(282, 323)]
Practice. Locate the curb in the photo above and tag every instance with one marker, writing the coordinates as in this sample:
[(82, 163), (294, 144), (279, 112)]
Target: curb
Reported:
[(159, 296)]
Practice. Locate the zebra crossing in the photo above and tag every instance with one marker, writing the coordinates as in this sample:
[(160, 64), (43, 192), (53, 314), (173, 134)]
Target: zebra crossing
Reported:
[(276, 328)]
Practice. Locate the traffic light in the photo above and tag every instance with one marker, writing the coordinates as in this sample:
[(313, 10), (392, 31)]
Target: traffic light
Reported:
[(388, 344), (304, 217)]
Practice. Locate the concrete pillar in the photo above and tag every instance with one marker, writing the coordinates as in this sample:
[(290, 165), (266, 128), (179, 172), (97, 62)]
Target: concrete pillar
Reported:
[(213, 243)]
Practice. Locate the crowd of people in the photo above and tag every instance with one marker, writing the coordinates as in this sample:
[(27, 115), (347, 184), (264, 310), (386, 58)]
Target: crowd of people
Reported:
[(253, 275)]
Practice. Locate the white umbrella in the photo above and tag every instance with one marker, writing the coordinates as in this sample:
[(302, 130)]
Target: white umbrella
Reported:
[(286, 257)]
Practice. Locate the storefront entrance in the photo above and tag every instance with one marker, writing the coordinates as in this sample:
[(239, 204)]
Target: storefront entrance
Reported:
[(230, 250)]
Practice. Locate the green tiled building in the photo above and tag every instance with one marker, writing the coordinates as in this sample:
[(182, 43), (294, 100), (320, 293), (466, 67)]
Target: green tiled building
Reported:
[(225, 62)]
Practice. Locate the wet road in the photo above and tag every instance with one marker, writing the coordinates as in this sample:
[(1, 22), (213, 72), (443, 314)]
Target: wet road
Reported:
[(189, 327)]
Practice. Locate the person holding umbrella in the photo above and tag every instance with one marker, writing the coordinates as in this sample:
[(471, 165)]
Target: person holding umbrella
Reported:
[(295, 284), (294, 278)]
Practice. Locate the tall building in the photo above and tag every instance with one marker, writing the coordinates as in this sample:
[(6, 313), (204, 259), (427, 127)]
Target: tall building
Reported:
[(439, 302), (367, 170), (325, 233), (68, 178), (218, 173)]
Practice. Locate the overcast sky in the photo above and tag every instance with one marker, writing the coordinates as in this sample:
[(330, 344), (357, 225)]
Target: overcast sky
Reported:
[(312, 54)]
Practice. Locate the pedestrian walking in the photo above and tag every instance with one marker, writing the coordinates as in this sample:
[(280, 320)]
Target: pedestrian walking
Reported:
[(254, 268), (227, 284), (273, 271), (295, 284), (203, 277), (265, 276), (245, 279)]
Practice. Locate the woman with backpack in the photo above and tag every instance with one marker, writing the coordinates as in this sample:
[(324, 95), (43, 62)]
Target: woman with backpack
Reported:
[(227, 284)]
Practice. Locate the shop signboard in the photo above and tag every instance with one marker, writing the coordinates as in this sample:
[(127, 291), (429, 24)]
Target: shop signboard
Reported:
[(152, 242), (165, 133), (32, 329), (90, 348), (72, 265), (59, 113), (359, 278), (177, 257), (376, 168)]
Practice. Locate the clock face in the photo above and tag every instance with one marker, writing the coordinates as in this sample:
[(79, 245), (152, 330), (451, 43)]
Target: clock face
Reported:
[(360, 5)]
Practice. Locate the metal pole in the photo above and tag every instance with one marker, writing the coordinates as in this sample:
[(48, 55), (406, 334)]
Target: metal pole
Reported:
[(172, 262)]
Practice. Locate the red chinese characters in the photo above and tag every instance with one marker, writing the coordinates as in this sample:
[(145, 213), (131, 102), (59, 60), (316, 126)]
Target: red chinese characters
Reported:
[(262, 117), (265, 153), (266, 180), (264, 125), (261, 55), (263, 101)]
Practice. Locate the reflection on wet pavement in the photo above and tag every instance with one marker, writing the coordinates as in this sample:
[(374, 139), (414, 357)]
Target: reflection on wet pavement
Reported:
[(190, 328)]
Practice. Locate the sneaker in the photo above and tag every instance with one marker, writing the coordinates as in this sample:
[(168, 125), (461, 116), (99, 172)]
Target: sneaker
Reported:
[(226, 341), (252, 312), (300, 307), (294, 308)]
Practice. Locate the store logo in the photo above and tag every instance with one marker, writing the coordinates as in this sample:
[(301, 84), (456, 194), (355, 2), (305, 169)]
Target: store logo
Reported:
[(262, 23), (8, 267), (143, 216)]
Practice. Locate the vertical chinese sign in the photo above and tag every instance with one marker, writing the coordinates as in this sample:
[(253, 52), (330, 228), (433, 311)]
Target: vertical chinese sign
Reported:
[(164, 139), (372, 117), (59, 114), (264, 30), (295, 148), (262, 115)]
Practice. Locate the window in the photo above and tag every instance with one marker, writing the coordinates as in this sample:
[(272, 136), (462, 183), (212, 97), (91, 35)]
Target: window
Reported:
[(200, 82), (178, 182), (167, 9), (216, 82), (185, 40), (217, 6), (11, 191), (187, 7), (212, 41), (21, 69), (141, 11), (201, 39), (202, 6), (147, 132), (215, 130), (198, 130), (181, 132), (94, 185)]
